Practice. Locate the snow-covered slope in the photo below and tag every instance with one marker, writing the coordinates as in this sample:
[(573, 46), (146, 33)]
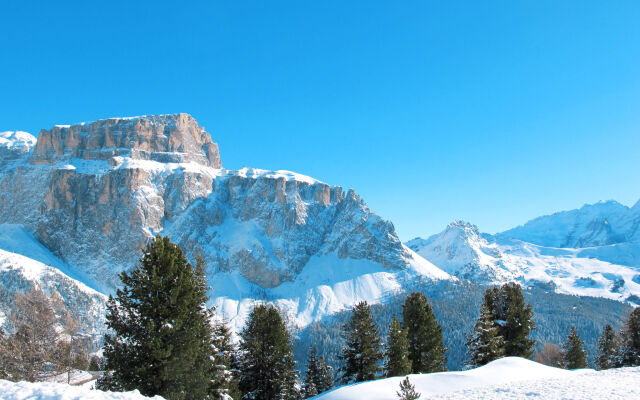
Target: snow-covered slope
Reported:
[(610, 270), (60, 391), (320, 289), (14, 146), (19, 273), (600, 224), (94, 193), (460, 250), (507, 378)]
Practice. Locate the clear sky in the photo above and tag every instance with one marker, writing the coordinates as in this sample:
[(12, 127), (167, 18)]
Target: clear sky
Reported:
[(490, 111)]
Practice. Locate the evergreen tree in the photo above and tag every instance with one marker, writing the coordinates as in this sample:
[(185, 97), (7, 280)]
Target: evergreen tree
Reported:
[(267, 369), (95, 363), (312, 375), (513, 317), (325, 376), (5, 356), (608, 349), (162, 342), (225, 379), (426, 348), (574, 355), (397, 354), (362, 353), (485, 344), (631, 340), (318, 377), (407, 390)]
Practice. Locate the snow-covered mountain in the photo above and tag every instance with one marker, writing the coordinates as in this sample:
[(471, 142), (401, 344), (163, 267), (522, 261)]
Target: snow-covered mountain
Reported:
[(45, 271), (81, 201), (592, 251), (600, 224), (94, 193)]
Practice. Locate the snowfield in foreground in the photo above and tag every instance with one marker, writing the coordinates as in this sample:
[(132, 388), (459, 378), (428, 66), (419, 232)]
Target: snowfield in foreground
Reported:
[(60, 391), (507, 378)]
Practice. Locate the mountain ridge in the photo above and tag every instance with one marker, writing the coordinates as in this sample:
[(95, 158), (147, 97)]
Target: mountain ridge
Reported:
[(602, 264), (95, 193)]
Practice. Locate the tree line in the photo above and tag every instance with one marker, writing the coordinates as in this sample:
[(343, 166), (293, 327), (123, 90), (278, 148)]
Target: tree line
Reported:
[(164, 340)]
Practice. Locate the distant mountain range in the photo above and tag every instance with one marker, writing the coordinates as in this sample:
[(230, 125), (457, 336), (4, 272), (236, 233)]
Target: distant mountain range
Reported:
[(78, 204), (591, 251)]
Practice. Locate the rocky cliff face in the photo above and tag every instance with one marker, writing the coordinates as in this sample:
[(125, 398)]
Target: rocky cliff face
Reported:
[(164, 138), (94, 193)]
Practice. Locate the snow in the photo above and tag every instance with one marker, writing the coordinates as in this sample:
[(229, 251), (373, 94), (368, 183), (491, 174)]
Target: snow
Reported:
[(59, 391), (599, 224), (256, 173), (610, 271), (36, 257), (76, 377), (507, 378), (17, 140), (319, 290)]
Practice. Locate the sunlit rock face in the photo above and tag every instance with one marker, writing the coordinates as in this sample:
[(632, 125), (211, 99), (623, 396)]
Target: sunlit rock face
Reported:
[(94, 193), (163, 138)]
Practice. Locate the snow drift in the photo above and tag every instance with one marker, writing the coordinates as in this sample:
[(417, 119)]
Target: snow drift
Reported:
[(59, 391), (510, 377)]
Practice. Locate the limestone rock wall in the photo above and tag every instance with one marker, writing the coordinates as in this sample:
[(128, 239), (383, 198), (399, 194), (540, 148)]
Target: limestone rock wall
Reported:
[(165, 138), (98, 213)]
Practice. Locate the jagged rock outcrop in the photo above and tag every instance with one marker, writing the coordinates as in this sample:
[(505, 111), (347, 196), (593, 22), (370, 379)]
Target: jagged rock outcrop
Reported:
[(94, 193), (163, 138)]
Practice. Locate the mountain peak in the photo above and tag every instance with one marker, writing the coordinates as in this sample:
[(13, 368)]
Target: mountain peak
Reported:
[(598, 224), (465, 226), (162, 138)]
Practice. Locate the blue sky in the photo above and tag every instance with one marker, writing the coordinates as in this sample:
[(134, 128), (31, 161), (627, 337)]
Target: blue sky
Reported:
[(493, 112)]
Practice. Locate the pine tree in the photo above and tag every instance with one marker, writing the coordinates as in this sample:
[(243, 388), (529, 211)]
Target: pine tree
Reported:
[(485, 344), (407, 390), (267, 369), (426, 348), (513, 317), (311, 375), (318, 377), (397, 355), (325, 376), (630, 353), (225, 377), (362, 353), (162, 338), (95, 363), (573, 353), (5, 356), (608, 349)]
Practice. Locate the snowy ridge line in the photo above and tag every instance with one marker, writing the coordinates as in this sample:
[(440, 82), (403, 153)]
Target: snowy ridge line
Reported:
[(601, 269), (149, 117)]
